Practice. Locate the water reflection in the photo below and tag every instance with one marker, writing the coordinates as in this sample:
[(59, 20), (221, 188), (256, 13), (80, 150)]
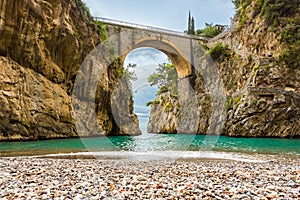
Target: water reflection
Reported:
[(126, 143)]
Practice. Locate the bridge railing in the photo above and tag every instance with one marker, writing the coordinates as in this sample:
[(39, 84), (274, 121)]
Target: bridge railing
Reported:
[(150, 28)]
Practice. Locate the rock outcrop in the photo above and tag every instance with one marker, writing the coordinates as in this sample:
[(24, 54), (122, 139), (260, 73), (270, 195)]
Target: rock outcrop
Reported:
[(258, 62), (42, 46), (32, 107), (163, 115), (266, 100)]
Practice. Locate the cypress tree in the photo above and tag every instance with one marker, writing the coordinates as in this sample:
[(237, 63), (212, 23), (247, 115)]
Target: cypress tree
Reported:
[(189, 23), (193, 26)]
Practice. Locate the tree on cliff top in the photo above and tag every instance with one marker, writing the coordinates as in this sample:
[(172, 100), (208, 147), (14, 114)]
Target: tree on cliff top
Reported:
[(191, 25), (128, 74), (165, 78), (209, 31)]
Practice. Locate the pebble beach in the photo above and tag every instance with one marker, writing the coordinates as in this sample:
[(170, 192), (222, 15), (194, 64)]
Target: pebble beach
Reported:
[(48, 178)]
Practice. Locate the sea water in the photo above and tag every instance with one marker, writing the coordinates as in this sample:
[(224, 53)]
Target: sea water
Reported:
[(159, 146)]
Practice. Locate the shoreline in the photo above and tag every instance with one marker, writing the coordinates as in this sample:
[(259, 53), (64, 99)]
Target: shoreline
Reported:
[(118, 179), (170, 155), (174, 156), (24, 139)]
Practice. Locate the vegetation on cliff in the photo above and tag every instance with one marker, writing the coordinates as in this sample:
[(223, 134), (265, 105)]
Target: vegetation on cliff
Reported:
[(263, 54), (84, 9), (165, 78), (209, 30), (219, 52), (258, 64), (279, 16), (87, 16), (165, 107)]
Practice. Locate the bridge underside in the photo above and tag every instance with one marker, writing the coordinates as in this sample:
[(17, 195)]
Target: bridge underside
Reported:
[(180, 49), (182, 66)]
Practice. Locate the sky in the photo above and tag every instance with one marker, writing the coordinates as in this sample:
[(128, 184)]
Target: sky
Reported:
[(167, 14), (147, 60)]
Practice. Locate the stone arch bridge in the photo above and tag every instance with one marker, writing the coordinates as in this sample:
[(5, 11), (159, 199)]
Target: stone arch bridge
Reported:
[(187, 55), (182, 49)]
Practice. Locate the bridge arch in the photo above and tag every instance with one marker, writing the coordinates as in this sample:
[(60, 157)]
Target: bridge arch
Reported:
[(179, 60), (184, 51)]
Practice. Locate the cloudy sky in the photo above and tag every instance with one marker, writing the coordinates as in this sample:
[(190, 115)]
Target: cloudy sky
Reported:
[(147, 60), (167, 14)]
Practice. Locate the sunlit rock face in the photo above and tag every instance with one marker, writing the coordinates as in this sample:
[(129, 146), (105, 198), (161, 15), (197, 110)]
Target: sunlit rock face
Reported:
[(262, 89), (42, 47)]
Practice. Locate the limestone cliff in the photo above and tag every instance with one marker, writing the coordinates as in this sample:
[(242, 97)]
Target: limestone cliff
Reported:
[(266, 101), (258, 62), (163, 116), (42, 46)]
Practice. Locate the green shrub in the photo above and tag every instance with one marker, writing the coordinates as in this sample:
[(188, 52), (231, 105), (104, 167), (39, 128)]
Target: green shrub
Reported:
[(209, 31), (255, 68), (151, 103), (102, 30), (219, 52), (165, 77), (281, 17), (205, 47), (241, 7), (290, 56), (156, 101), (237, 102), (236, 3), (273, 10), (120, 72), (242, 19), (291, 34), (162, 90), (82, 5), (249, 58), (229, 103), (290, 38), (169, 107), (233, 101)]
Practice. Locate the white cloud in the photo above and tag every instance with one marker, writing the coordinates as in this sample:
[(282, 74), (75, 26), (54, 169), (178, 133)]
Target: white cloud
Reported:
[(147, 60), (167, 14)]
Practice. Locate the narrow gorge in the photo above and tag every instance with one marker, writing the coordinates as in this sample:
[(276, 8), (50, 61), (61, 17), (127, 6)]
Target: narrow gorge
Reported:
[(246, 84)]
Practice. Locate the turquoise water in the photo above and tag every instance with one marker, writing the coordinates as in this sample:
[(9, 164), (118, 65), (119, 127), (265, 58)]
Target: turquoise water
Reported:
[(154, 143)]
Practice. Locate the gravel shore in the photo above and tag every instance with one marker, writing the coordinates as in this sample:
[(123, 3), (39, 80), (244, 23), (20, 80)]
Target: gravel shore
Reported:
[(36, 178)]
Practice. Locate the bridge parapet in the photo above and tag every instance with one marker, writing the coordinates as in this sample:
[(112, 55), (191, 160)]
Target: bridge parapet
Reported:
[(149, 28)]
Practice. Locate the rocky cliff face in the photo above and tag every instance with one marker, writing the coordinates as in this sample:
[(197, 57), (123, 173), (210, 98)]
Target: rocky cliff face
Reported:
[(42, 46), (32, 107), (258, 61), (163, 115), (267, 104)]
